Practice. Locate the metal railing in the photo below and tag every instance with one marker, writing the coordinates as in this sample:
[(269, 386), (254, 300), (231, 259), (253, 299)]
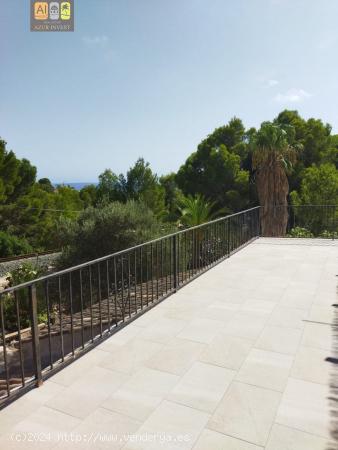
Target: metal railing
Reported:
[(47, 322), (306, 221), (313, 221)]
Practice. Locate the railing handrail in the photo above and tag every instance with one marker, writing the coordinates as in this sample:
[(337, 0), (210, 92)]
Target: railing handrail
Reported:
[(290, 205), (127, 250)]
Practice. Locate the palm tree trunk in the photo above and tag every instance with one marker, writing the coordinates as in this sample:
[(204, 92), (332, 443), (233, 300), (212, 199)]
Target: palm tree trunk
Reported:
[(273, 188)]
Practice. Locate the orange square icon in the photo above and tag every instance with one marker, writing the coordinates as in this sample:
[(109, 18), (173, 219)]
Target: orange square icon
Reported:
[(40, 10)]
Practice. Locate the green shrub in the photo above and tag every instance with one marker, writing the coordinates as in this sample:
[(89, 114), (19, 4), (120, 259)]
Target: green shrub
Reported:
[(11, 245), (25, 272), (329, 234), (101, 231), (299, 232)]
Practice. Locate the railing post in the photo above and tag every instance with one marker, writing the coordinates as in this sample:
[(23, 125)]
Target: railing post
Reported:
[(35, 334), (228, 238), (175, 261)]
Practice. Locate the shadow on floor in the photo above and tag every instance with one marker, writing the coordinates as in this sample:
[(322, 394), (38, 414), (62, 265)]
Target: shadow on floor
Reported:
[(333, 398)]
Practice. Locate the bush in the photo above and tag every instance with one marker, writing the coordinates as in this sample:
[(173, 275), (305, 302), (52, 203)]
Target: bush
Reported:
[(11, 245), (101, 231), (329, 234), (299, 232), (25, 272)]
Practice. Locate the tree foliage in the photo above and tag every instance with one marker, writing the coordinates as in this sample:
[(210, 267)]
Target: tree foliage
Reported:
[(226, 168), (140, 184), (216, 169), (101, 231), (11, 245), (196, 210)]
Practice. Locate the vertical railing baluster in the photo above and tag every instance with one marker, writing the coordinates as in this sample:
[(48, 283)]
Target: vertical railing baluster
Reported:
[(170, 264), (166, 265), (115, 291), (99, 296), (22, 370), (48, 324), (147, 277), (178, 270), (81, 310), (152, 272), (108, 293), (129, 290), (194, 252), (185, 256), (91, 303), (162, 282), (60, 319), (35, 334), (174, 262), (141, 276), (135, 280), (122, 291), (3, 335), (157, 269), (71, 312), (228, 237)]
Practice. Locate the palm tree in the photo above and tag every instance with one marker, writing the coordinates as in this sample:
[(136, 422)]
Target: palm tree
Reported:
[(272, 159), (196, 210)]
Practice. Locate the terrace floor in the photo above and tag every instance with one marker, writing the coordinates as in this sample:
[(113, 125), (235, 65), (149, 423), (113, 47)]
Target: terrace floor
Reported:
[(243, 358)]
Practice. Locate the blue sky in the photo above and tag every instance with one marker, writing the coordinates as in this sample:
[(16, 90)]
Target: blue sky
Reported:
[(152, 78)]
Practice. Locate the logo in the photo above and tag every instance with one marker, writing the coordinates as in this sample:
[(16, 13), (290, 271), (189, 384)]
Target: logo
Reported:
[(65, 11), (54, 11), (40, 10), (52, 15)]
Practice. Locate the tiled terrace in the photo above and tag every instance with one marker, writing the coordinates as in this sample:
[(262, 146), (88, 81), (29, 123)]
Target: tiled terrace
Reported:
[(243, 358)]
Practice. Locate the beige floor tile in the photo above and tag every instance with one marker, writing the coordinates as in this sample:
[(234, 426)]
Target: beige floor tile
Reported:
[(233, 294), (245, 326), (79, 367), (317, 335), (283, 316), (285, 438), (305, 406), (41, 429), (86, 394), (17, 411), (141, 394), (150, 316), (121, 337), (262, 291), (325, 314), (177, 356), (219, 311), (162, 330), (280, 340), (326, 298), (227, 351), (102, 430), (179, 428), (258, 307), (211, 440), (130, 357), (202, 387), (201, 330), (246, 412), (266, 369), (310, 365), (45, 392), (293, 298)]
